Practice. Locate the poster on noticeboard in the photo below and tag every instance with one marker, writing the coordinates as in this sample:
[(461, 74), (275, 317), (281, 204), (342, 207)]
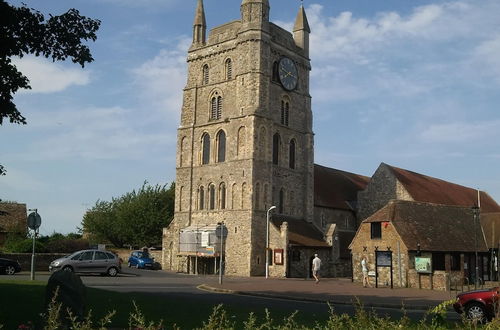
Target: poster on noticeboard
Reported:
[(423, 265)]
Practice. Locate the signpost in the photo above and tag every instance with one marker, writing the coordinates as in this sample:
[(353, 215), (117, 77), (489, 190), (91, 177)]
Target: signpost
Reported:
[(34, 222), (383, 259), (221, 233)]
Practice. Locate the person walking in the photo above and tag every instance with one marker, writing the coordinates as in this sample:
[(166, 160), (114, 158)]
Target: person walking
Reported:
[(316, 266), (364, 269)]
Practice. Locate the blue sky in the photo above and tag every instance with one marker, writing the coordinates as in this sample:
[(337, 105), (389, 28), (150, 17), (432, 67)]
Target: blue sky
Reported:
[(415, 84)]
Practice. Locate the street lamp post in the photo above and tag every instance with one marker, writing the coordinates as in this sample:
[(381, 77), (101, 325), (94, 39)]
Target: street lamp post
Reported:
[(475, 212), (267, 239)]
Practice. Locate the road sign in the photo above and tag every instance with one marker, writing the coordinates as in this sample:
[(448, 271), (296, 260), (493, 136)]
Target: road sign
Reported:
[(221, 231), (34, 220)]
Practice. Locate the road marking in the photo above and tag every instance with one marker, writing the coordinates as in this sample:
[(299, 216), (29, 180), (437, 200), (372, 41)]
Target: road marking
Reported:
[(136, 287)]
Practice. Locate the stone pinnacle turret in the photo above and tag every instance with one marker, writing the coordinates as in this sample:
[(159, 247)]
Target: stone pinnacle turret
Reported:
[(301, 31), (199, 25)]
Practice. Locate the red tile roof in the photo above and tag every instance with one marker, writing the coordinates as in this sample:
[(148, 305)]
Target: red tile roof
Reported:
[(337, 189), (441, 228), (424, 188)]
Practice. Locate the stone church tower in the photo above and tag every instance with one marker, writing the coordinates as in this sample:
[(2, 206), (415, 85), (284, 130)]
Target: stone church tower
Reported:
[(245, 141)]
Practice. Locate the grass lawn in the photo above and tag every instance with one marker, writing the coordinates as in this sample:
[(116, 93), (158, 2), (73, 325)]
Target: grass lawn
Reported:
[(23, 301)]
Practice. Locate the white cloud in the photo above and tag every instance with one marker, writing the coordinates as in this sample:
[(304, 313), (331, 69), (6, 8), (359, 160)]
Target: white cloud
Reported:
[(486, 56), (94, 133), (20, 181), (148, 4), (48, 77), (460, 132), (161, 79)]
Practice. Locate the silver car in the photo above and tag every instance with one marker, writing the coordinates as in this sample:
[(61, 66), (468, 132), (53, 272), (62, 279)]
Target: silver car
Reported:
[(88, 261)]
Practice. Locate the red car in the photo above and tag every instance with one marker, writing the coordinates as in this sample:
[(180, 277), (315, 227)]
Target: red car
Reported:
[(480, 305)]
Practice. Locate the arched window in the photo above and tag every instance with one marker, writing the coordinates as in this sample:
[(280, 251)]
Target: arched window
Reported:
[(291, 154), (222, 195), (276, 148), (182, 151), (243, 195), (216, 106), (229, 69), (205, 74), (234, 204), (281, 201), (241, 142), (275, 71), (285, 112), (205, 158), (201, 194), (221, 146), (211, 195)]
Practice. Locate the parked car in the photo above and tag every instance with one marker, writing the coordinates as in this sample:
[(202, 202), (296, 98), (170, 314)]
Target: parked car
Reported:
[(478, 305), (9, 267), (141, 259), (88, 261)]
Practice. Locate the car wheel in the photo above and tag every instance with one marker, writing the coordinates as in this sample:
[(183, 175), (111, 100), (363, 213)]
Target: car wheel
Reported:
[(112, 271), (67, 269), (10, 270), (476, 312)]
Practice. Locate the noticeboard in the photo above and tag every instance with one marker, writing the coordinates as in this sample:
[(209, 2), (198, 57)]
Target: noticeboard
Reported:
[(423, 265), (384, 258), (278, 256)]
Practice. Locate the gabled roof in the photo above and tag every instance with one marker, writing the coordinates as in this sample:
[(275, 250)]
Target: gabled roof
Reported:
[(335, 188), (491, 227), (300, 232), (435, 227), (424, 188)]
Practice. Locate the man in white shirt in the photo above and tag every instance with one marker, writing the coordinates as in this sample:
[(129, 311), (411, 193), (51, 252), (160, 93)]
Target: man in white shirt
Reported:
[(316, 266)]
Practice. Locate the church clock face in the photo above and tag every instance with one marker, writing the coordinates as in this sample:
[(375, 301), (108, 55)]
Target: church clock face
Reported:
[(288, 73)]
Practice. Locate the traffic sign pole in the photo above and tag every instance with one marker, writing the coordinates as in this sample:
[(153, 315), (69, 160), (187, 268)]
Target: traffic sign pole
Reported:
[(34, 222)]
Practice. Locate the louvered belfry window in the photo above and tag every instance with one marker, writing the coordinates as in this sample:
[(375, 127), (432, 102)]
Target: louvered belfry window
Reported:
[(221, 147), (291, 155), (229, 69), (216, 107), (205, 158), (205, 74), (285, 112)]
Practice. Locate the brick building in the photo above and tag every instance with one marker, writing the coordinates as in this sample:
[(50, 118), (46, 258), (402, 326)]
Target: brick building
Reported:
[(245, 143), (333, 228), (407, 213), (445, 236), (245, 140), (13, 219)]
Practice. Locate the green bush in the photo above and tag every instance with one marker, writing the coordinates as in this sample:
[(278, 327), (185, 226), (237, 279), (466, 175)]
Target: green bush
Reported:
[(56, 318), (16, 243)]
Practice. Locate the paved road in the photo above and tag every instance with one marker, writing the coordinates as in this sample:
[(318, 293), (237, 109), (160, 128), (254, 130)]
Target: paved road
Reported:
[(187, 286)]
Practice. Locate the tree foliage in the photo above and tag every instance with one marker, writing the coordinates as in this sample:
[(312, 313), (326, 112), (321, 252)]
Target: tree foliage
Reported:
[(136, 218), (54, 243), (25, 31)]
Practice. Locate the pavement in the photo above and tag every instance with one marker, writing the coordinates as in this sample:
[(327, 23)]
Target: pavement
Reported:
[(333, 290), (339, 291)]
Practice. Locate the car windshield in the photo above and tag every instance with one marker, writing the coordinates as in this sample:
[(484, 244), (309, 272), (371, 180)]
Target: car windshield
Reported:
[(143, 255)]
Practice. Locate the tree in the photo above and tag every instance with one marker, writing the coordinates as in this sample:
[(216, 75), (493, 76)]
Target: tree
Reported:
[(25, 31), (136, 218)]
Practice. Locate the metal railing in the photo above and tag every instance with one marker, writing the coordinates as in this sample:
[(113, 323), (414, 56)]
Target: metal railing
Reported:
[(460, 284)]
